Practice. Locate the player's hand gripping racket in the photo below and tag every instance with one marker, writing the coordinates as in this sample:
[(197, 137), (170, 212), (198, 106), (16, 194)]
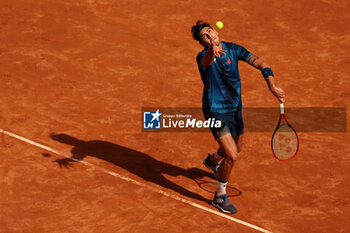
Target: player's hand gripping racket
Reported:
[(284, 142)]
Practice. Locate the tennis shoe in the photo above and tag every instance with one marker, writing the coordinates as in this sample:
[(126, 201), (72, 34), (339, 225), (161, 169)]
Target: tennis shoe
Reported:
[(211, 166), (223, 204)]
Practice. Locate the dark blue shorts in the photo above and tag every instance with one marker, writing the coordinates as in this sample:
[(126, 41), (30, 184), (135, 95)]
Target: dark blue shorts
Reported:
[(231, 123)]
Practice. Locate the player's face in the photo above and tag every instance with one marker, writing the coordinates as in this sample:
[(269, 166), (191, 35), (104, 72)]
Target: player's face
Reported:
[(208, 35)]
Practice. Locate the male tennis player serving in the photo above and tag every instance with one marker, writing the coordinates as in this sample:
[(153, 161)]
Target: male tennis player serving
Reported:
[(218, 66)]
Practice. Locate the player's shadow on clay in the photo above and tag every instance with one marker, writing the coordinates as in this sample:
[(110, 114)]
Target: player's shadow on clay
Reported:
[(138, 163)]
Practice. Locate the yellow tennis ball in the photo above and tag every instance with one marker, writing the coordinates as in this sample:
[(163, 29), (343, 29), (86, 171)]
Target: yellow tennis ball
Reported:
[(219, 24)]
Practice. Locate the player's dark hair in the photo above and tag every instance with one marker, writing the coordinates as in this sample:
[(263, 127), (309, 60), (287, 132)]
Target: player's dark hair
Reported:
[(197, 28)]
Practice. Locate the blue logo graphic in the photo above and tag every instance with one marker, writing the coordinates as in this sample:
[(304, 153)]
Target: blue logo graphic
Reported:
[(151, 120)]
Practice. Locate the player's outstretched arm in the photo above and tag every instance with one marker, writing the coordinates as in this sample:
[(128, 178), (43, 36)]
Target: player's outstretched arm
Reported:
[(260, 64)]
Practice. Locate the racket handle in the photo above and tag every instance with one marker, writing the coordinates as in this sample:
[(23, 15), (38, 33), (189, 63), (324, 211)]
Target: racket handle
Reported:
[(282, 108)]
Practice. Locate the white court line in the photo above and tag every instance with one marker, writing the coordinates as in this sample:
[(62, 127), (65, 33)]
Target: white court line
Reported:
[(137, 183)]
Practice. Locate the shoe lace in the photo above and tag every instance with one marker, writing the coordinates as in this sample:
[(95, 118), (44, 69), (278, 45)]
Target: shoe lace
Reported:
[(226, 200)]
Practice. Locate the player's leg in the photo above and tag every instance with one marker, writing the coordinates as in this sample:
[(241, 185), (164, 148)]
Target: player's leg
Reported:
[(229, 149), (215, 158), (230, 142), (212, 161)]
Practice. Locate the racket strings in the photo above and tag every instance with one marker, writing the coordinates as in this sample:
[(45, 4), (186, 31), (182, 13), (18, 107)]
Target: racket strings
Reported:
[(285, 142)]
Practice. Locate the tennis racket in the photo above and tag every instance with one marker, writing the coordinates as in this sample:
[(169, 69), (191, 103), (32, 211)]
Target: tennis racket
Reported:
[(284, 142)]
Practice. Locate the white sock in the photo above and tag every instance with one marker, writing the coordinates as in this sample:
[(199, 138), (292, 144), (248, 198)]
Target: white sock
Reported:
[(221, 188)]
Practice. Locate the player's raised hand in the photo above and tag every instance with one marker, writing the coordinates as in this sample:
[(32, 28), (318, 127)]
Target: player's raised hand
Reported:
[(216, 50)]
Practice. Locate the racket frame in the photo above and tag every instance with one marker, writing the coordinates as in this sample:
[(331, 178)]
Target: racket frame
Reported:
[(282, 116)]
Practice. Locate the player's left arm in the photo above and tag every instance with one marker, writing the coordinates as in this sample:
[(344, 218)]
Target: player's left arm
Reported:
[(261, 65)]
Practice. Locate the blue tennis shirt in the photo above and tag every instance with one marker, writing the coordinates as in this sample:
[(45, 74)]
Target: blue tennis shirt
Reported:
[(222, 84)]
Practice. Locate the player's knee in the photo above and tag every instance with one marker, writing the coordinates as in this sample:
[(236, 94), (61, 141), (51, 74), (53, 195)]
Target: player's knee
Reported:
[(231, 157)]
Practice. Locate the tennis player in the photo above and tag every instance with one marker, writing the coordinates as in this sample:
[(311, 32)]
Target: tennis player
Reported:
[(218, 67)]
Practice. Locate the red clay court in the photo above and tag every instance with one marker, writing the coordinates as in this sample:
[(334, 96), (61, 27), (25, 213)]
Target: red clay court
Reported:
[(76, 74)]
